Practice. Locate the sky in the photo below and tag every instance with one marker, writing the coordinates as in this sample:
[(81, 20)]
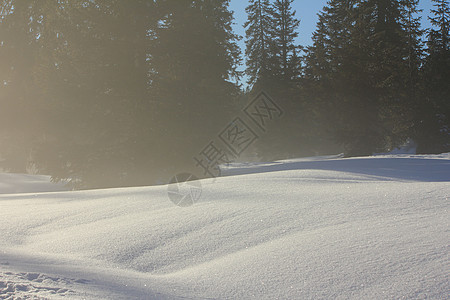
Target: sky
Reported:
[(307, 13)]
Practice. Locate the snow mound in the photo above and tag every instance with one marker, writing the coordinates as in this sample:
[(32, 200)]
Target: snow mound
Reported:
[(323, 228)]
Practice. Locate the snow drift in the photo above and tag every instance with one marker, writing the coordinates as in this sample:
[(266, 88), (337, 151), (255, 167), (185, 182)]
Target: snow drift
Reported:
[(322, 228)]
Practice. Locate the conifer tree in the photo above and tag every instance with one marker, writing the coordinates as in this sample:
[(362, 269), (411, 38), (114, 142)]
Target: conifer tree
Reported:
[(358, 61), (412, 26), (259, 41), (433, 112), (99, 89), (105, 79), (194, 62), (439, 38), (285, 31), (334, 68)]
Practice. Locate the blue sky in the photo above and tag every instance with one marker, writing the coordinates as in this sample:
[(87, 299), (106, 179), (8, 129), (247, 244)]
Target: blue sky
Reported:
[(307, 13)]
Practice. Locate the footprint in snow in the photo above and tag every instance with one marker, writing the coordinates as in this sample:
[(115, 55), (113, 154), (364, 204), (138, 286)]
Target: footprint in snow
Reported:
[(26, 285)]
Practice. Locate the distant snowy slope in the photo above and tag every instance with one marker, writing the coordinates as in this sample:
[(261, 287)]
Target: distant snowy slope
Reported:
[(394, 167), (323, 228), (11, 183)]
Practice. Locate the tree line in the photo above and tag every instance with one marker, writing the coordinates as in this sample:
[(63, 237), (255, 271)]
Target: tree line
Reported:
[(118, 93)]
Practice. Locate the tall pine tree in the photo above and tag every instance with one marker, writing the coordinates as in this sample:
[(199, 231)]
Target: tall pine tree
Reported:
[(284, 33), (358, 64), (259, 42), (194, 64), (433, 112)]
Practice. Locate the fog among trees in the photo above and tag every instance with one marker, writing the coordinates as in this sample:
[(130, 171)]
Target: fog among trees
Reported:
[(109, 93)]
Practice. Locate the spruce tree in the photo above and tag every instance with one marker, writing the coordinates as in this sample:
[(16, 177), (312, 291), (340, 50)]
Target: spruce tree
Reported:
[(439, 38), (283, 80), (193, 67), (358, 62), (88, 82), (284, 33), (331, 38), (412, 26), (334, 69), (106, 79), (433, 112), (397, 58), (259, 42)]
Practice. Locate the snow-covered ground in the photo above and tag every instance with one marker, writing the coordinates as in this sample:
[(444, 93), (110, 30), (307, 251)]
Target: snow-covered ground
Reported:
[(318, 228)]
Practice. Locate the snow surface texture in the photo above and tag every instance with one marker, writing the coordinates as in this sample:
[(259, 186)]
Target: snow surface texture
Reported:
[(318, 228)]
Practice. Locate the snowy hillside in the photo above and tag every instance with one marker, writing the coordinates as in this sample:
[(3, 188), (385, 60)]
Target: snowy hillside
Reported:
[(319, 228)]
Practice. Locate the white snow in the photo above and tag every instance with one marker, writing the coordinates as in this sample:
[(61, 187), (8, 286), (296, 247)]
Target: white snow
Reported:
[(318, 228)]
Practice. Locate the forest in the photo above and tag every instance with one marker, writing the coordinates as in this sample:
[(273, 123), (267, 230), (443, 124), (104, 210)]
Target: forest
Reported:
[(113, 93)]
